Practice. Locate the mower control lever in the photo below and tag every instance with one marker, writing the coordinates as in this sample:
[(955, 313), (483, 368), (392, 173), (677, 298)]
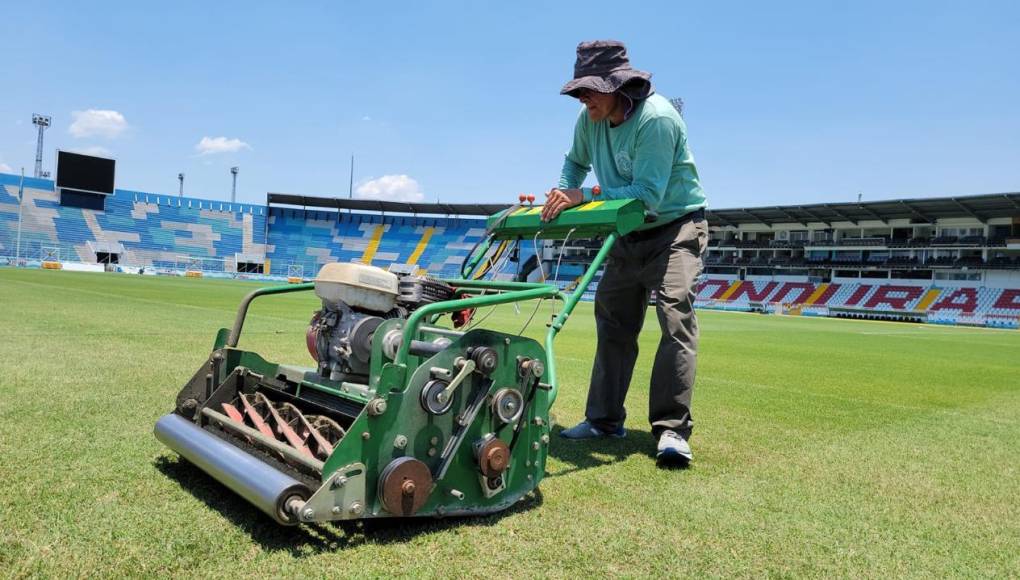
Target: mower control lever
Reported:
[(467, 366)]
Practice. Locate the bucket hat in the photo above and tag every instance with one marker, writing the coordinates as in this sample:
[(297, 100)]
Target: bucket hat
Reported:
[(603, 66)]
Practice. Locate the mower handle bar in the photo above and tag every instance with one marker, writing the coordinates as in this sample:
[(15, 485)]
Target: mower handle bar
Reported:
[(508, 292)]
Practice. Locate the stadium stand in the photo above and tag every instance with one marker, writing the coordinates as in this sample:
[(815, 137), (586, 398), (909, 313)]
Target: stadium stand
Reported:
[(937, 304), (311, 238), (169, 232), (139, 229), (942, 260)]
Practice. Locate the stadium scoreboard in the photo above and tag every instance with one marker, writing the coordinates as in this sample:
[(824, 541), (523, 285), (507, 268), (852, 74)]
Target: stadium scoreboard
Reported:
[(84, 180)]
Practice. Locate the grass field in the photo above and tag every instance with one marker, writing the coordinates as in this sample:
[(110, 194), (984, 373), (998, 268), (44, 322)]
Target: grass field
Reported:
[(822, 448)]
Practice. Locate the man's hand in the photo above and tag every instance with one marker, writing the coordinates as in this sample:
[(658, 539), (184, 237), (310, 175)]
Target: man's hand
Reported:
[(558, 200)]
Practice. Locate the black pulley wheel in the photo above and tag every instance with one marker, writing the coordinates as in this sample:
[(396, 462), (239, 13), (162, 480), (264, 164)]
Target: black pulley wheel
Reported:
[(361, 337), (430, 397), (507, 405), (486, 360)]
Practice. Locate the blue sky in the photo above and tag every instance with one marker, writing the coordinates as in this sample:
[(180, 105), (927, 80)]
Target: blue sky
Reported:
[(786, 102)]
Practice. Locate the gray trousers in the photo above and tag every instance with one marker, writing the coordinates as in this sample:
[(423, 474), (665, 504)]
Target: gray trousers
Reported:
[(667, 261)]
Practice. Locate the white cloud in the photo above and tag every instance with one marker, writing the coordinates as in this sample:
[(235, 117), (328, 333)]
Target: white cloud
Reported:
[(4, 168), (93, 150), (391, 188), (212, 145), (366, 118), (97, 123)]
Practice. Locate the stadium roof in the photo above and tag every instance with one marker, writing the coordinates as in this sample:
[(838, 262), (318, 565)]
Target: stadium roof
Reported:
[(386, 206), (980, 207)]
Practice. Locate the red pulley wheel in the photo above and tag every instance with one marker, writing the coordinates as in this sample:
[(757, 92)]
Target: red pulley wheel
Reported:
[(312, 337), (462, 317)]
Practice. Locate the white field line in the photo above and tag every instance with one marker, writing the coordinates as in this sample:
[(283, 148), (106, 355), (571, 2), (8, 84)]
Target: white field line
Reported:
[(973, 338), (891, 333), (927, 327), (943, 329), (855, 400)]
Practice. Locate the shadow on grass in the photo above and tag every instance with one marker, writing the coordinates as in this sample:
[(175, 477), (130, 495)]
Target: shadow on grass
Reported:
[(311, 539), (590, 453)]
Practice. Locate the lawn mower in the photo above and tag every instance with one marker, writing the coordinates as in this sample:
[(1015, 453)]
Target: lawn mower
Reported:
[(401, 415)]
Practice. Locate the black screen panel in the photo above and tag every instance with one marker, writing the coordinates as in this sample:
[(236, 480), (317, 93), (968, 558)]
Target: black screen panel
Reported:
[(82, 199), (85, 172)]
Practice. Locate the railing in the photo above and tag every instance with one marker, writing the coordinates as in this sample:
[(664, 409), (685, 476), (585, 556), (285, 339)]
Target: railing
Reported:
[(1001, 263)]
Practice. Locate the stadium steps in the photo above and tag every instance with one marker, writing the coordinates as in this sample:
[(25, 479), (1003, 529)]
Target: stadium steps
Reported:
[(373, 244), (822, 295), (928, 299), (731, 290), (419, 249), (794, 293)]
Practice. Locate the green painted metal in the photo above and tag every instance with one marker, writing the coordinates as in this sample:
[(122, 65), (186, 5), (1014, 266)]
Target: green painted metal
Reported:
[(596, 218), (387, 421), (242, 310), (562, 296), (371, 440), (414, 321), (476, 257), (480, 287), (325, 389), (568, 308), (249, 360), (493, 284), (221, 338)]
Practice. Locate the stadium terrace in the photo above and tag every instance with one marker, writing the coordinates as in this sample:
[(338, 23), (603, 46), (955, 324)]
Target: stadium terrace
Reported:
[(953, 260)]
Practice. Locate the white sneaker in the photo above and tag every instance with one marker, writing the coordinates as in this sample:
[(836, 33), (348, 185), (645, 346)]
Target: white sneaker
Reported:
[(673, 449)]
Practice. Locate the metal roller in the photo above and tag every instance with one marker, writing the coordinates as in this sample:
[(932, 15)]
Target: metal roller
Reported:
[(263, 486), (391, 343), (429, 349)]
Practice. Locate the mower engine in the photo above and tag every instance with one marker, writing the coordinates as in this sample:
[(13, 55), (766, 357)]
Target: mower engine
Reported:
[(356, 299)]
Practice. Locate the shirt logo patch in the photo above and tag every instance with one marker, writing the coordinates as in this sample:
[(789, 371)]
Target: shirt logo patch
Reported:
[(624, 165)]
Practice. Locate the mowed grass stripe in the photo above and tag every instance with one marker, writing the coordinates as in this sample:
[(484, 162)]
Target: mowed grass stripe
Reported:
[(821, 450)]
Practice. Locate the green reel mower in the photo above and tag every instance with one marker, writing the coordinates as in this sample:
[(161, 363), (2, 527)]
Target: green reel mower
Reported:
[(401, 416)]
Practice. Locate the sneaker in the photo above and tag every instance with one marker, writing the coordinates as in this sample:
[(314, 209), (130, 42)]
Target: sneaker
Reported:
[(585, 430), (673, 449)]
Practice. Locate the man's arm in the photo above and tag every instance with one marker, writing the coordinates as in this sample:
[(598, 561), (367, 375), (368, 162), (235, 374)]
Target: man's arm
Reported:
[(577, 162), (654, 154), (573, 173), (576, 166)]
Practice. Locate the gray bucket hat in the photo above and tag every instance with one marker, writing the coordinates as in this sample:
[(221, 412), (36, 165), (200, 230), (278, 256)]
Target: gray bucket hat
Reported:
[(603, 66)]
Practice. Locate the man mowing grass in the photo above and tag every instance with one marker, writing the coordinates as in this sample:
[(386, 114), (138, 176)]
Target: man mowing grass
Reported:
[(637, 144)]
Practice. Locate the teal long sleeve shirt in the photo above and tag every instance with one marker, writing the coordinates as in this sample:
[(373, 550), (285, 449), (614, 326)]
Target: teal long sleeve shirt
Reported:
[(646, 157)]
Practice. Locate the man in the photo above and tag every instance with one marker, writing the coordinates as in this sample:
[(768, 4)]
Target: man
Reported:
[(637, 144)]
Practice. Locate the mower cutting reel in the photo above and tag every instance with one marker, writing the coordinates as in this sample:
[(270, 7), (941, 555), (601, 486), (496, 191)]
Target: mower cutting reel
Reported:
[(400, 416)]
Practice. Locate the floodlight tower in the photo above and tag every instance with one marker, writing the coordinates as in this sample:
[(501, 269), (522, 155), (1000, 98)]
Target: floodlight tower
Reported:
[(42, 122), (350, 191), (180, 178), (233, 188), (678, 104)]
